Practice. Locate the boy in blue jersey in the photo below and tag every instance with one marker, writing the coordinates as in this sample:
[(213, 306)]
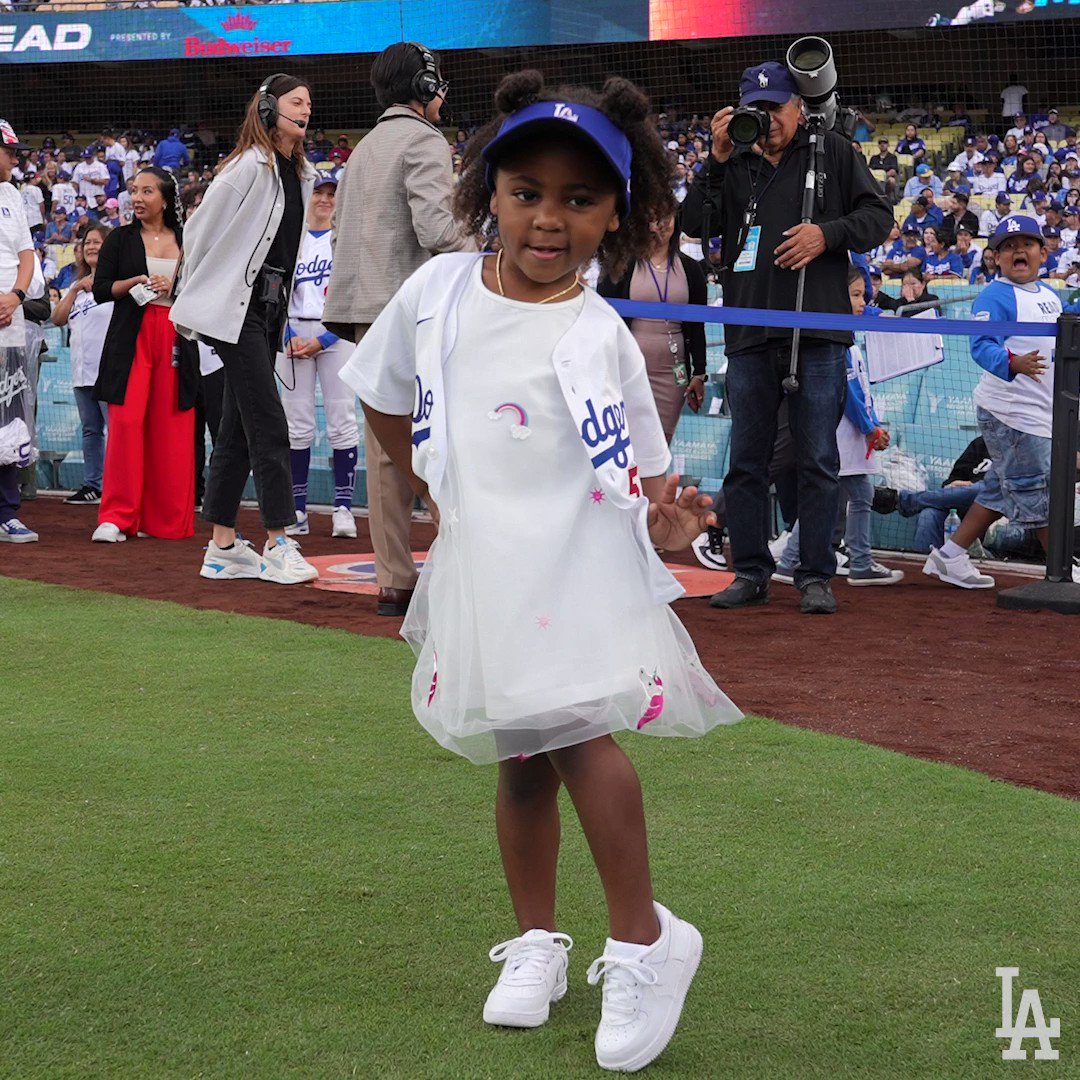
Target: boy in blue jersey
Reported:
[(1013, 402)]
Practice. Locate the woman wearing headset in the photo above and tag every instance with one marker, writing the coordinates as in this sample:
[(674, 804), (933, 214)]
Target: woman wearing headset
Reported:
[(239, 256)]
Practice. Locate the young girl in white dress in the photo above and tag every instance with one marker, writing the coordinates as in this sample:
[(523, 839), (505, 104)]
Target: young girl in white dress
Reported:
[(519, 404)]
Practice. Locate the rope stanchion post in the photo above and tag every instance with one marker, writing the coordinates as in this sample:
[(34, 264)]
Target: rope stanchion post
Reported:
[(1057, 591)]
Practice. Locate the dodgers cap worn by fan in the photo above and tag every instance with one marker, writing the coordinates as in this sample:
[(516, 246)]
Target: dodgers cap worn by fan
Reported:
[(9, 139), (326, 176), (565, 116), (923, 169), (770, 81), (1015, 225), (1003, 199)]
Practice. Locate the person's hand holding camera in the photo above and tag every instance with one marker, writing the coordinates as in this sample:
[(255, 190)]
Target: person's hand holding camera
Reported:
[(722, 146)]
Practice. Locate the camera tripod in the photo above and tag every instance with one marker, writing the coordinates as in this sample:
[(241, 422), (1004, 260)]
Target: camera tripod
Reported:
[(813, 193)]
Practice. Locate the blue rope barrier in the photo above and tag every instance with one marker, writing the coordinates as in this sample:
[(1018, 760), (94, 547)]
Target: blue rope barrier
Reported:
[(818, 320)]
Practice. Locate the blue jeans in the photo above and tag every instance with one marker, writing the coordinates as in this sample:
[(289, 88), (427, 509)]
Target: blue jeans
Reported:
[(92, 414), (933, 508), (754, 391), (857, 496)]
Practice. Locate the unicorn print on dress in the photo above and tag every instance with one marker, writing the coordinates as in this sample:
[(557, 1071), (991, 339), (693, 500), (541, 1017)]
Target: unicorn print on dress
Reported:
[(654, 689), (521, 429)]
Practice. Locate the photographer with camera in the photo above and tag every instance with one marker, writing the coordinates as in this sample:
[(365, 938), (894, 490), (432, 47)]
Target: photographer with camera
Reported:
[(751, 195)]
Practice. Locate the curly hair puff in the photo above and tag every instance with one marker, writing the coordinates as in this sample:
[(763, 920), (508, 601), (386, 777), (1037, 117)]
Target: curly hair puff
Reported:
[(651, 171)]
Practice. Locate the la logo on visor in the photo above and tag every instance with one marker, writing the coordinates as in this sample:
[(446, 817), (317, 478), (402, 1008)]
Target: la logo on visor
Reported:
[(564, 112)]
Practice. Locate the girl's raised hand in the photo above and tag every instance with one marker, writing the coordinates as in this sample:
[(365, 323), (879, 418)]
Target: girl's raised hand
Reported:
[(674, 523)]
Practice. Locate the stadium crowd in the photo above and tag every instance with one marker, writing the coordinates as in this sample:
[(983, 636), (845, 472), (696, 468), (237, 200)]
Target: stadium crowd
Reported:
[(946, 204)]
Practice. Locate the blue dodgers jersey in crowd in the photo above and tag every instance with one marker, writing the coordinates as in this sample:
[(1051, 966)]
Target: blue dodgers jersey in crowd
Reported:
[(948, 262), (1020, 401)]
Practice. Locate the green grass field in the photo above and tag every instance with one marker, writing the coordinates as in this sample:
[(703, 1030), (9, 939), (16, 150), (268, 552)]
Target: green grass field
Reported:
[(228, 850)]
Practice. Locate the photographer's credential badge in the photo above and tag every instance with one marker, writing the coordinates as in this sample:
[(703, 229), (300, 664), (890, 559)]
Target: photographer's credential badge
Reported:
[(747, 259)]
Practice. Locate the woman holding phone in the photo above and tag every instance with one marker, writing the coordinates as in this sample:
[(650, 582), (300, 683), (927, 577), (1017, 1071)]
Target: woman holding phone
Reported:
[(148, 381), (238, 269)]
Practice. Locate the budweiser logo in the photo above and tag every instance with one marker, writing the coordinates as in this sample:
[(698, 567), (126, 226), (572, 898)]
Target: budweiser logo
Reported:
[(238, 21)]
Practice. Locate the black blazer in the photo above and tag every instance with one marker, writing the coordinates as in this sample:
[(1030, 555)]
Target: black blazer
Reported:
[(124, 256), (693, 332)]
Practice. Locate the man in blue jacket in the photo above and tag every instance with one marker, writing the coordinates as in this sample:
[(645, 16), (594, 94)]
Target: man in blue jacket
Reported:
[(171, 153)]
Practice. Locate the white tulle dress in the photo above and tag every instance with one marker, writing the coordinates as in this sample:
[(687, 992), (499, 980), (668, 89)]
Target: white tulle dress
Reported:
[(534, 623)]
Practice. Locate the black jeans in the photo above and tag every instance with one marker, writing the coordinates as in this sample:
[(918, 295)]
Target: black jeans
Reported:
[(208, 403), (253, 436)]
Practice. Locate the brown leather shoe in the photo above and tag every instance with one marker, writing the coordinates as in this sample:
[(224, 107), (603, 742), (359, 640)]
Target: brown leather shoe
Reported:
[(394, 602)]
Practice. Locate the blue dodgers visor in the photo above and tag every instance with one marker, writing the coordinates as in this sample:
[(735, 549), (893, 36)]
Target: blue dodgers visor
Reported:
[(601, 132)]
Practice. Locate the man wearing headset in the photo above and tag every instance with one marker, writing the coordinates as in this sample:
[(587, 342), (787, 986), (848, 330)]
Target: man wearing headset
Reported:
[(393, 213)]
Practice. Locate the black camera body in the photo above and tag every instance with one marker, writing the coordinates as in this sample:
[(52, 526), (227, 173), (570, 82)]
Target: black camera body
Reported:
[(748, 125)]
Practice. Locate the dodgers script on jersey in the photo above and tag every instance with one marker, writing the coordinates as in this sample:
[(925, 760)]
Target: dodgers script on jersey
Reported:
[(312, 276)]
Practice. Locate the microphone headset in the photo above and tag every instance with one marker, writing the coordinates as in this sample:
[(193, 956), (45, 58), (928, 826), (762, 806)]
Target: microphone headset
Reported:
[(427, 84), (268, 107)]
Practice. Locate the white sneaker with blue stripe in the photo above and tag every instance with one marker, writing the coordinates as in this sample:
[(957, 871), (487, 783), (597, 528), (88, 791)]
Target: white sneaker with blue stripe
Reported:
[(239, 561), (283, 563), (13, 531), (302, 526)]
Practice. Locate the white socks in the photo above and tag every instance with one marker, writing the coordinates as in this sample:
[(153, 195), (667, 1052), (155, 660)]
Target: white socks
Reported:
[(951, 550)]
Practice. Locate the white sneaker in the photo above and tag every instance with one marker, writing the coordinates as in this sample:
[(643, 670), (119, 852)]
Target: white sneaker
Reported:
[(644, 990), (785, 577), (344, 523), (843, 562), (108, 533), (533, 976), (709, 549), (239, 561), (957, 571), (776, 547), (13, 531), (283, 563), (301, 528)]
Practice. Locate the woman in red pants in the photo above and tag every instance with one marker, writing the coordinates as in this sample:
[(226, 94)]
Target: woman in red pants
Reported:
[(146, 377)]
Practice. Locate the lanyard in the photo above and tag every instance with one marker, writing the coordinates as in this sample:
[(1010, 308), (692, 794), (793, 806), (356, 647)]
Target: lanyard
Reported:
[(656, 281), (750, 214)]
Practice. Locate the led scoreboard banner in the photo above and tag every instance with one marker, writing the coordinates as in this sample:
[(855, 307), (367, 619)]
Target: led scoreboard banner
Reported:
[(367, 26)]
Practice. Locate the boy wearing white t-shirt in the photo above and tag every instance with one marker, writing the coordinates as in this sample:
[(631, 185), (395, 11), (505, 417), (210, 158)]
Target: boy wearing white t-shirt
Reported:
[(1013, 402)]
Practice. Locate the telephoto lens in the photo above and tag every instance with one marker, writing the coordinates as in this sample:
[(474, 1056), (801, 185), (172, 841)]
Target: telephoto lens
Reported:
[(748, 125)]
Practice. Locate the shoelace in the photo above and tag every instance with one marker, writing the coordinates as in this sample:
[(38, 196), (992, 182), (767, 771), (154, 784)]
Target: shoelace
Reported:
[(623, 980), (291, 555), (528, 960)]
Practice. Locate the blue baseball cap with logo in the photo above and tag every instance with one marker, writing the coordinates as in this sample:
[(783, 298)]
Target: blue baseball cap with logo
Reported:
[(591, 124), (1015, 225), (770, 81), (326, 176)]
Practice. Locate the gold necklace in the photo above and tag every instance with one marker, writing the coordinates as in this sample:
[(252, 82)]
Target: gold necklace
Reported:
[(547, 299), (665, 266)]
